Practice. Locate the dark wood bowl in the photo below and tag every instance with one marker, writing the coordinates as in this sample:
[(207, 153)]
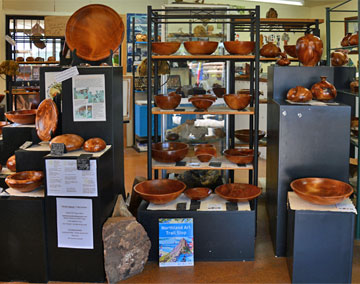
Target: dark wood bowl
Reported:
[(94, 145), (46, 119), (239, 47), (25, 116), (322, 191), (238, 192), (197, 193), (170, 101), (205, 152), (165, 48), (172, 136), (219, 91), (239, 156), (72, 141), (159, 191), (290, 50), (169, 152), (200, 47), (205, 97), (244, 134), (237, 101), (2, 124), (202, 104), (11, 163), (25, 181)]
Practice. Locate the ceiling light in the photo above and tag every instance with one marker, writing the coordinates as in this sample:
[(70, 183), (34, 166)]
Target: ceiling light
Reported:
[(286, 2)]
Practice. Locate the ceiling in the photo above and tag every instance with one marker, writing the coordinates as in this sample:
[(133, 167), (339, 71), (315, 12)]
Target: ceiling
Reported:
[(313, 3)]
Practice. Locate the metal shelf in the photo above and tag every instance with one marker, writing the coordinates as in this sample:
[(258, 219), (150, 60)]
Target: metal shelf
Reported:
[(211, 110)]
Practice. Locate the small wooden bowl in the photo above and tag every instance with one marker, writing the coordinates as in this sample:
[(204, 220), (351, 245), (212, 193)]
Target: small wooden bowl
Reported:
[(172, 136), (237, 101), (200, 47), (11, 163), (239, 156), (2, 124), (165, 48), (239, 47), (238, 192), (94, 145), (72, 141), (205, 152), (197, 193), (171, 101), (159, 191), (25, 181), (205, 97), (322, 191), (26, 116), (219, 92), (244, 134), (202, 104), (290, 50), (169, 152)]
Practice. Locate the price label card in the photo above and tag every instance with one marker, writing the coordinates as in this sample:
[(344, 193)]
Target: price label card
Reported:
[(57, 149), (83, 162), (26, 145)]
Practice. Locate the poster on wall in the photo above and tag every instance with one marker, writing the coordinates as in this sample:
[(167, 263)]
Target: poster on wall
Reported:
[(89, 98), (52, 87)]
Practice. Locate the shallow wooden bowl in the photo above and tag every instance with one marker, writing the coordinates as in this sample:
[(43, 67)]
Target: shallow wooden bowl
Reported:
[(46, 119), (159, 191), (11, 163), (200, 47), (238, 192), (239, 156), (237, 101), (2, 124), (94, 145), (26, 116), (197, 193), (25, 181), (205, 152), (165, 48), (244, 134), (290, 50), (239, 47), (202, 104), (72, 141), (322, 191), (169, 152), (170, 101)]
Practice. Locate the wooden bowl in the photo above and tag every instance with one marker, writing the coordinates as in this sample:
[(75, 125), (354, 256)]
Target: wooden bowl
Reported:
[(25, 181), (46, 119), (322, 191), (26, 116), (171, 136), (72, 141), (169, 152), (94, 145), (11, 163), (205, 97), (2, 124), (165, 48), (197, 193), (200, 47), (205, 152), (238, 192), (202, 104), (171, 101), (239, 156), (159, 191), (239, 47), (244, 134), (237, 101), (290, 50), (219, 92)]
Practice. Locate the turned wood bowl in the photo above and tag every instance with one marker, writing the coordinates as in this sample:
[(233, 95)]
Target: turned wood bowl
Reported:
[(238, 192), (309, 49), (239, 156), (2, 124), (46, 119), (197, 193), (270, 50), (299, 94), (160, 191), (11, 163), (200, 47), (219, 91), (205, 97), (237, 101), (244, 134), (322, 191), (290, 50), (165, 48), (72, 141), (26, 116), (239, 47), (25, 181), (171, 136), (170, 101), (202, 104), (94, 145), (169, 152), (205, 152)]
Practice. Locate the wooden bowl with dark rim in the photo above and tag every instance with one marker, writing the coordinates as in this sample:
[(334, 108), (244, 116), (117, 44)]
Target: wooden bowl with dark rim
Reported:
[(72, 142), (322, 191), (25, 116), (290, 50), (165, 48), (239, 155), (160, 191), (205, 152), (169, 152), (244, 134), (237, 101), (200, 47), (197, 193), (202, 104), (239, 47), (238, 192), (11, 163), (94, 145), (25, 181), (167, 102)]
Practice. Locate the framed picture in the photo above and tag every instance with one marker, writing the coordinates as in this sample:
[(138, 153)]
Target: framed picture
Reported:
[(351, 25), (127, 97), (174, 82)]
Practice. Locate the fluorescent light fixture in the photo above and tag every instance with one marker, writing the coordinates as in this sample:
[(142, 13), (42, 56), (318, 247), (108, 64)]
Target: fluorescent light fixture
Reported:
[(286, 2)]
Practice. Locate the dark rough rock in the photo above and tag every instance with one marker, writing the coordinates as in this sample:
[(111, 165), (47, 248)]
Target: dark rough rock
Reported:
[(201, 178), (120, 209), (126, 248)]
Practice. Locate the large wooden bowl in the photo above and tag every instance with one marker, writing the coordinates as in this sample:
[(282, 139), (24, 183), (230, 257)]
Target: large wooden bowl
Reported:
[(239, 156), (237, 101), (169, 152), (94, 145), (239, 47), (197, 193), (2, 124), (322, 191), (200, 47), (159, 191), (170, 101), (165, 48), (25, 181), (93, 31), (46, 119), (238, 192), (72, 141), (25, 116), (290, 50), (244, 134), (11, 163)]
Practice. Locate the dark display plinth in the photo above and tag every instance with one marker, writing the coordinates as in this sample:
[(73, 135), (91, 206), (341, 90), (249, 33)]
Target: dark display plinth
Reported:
[(218, 235), (32, 158)]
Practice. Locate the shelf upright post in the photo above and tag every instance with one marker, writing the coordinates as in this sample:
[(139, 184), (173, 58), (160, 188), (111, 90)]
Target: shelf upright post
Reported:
[(133, 73), (328, 36), (149, 93), (357, 229), (156, 88)]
